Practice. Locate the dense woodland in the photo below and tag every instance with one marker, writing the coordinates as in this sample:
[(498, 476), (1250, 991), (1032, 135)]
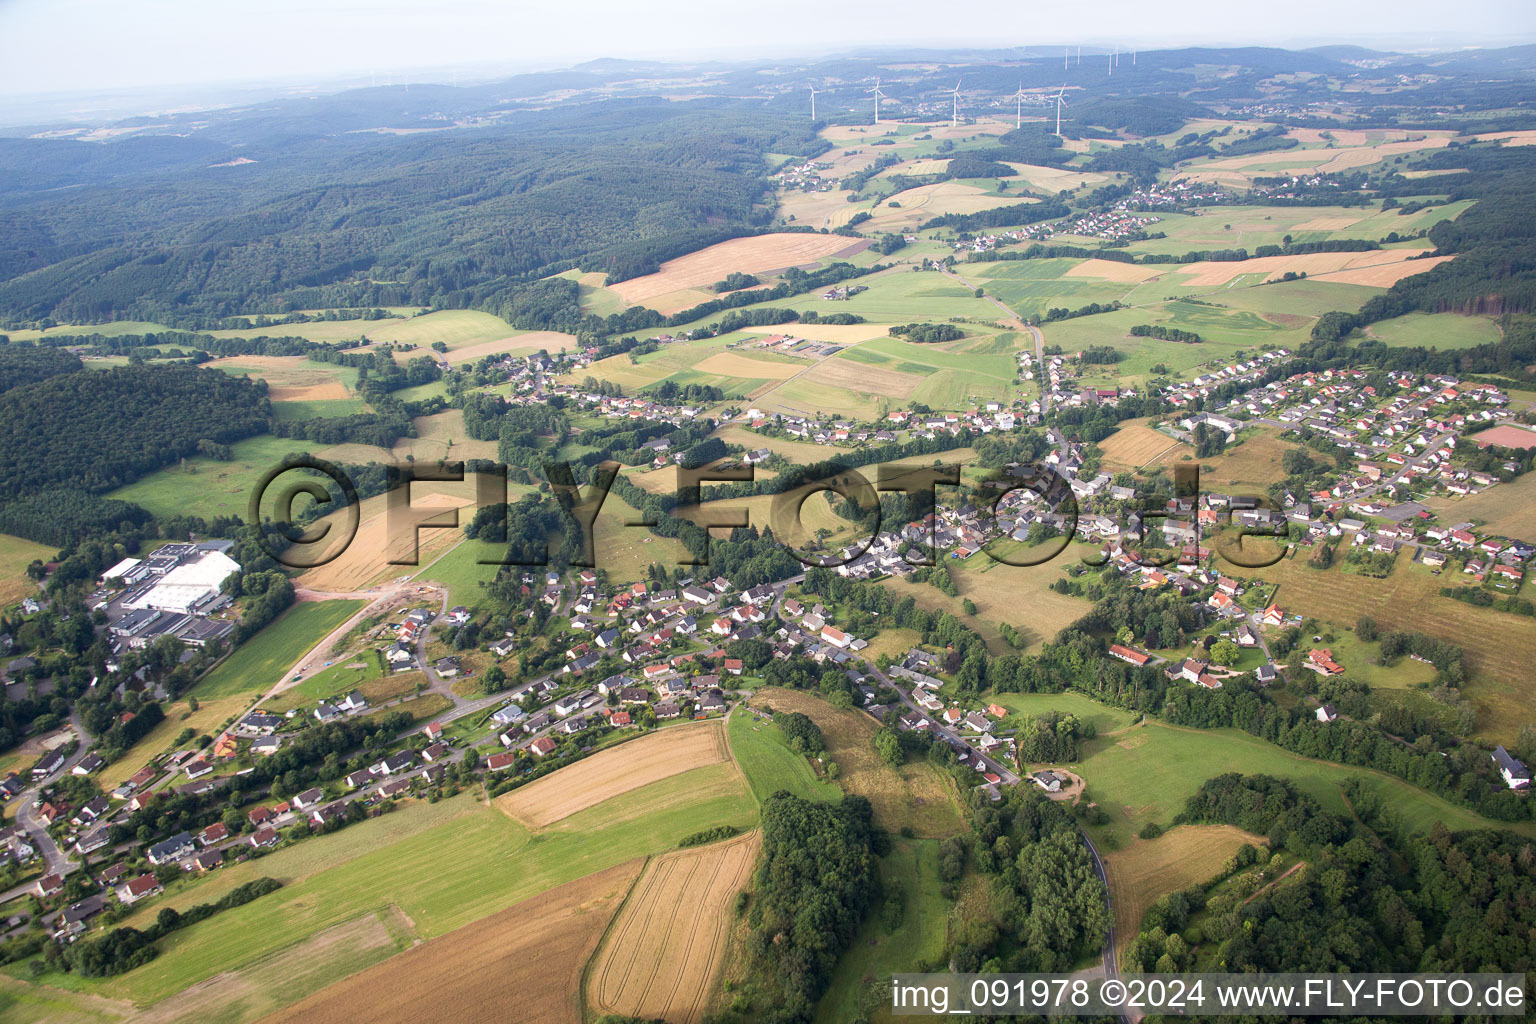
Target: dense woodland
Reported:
[(1369, 898)]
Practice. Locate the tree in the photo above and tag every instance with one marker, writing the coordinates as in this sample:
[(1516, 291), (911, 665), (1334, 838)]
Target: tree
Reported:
[(888, 746), (1224, 651), (1365, 628)]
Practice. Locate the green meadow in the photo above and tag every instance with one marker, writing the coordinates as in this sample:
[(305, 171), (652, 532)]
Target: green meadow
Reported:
[(1435, 330), (259, 663), (1146, 773), (206, 487), (494, 863), (769, 763)]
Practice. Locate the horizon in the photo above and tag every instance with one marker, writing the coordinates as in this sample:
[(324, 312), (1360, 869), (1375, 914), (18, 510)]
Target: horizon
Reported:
[(159, 55)]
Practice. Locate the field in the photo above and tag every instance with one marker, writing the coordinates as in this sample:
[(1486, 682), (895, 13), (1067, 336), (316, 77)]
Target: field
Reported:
[(1104, 718), (1146, 773), (529, 956), (1151, 868), (1030, 287), (260, 662), (456, 328), (1436, 330), (768, 762), (753, 255), (205, 487), (1383, 263), (15, 555), (382, 546), (1254, 464), (1136, 445), (1504, 510), (1019, 595), (398, 861), (660, 957), (208, 719), (616, 771), (460, 572), (876, 954), (916, 796), (925, 202), (1506, 436), (1409, 599)]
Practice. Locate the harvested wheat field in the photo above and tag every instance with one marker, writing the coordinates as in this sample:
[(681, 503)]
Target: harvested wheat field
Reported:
[(367, 557), (1384, 275), (1136, 445), (522, 964), (1327, 223), (1112, 270), (282, 371), (916, 795), (1522, 138), (660, 957), (838, 334), (928, 201), (1212, 273), (872, 380), (1054, 179), (328, 391), (754, 255), (616, 771), (736, 364), (1151, 868), (523, 344)]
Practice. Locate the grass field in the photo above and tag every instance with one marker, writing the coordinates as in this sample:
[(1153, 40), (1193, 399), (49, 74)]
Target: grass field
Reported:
[(1435, 330), (530, 956), (460, 572), (1409, 599), (876, 954), (260, 662), (1151, 868), (1102, 717), (205, 487), (1030, 287), (614, 772), (769, 764), (751, 255), (304, 409), (1505, 509), (1146, 773), (456, 328), (495, 863), (916, 796), (15, 555), (1254, 464), (660, 956)]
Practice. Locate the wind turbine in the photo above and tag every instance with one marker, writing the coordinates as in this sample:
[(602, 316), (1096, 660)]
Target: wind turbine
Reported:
[(877, 94), (954, 95), (813, 102), (1066, 55), (1061, 101), (1018, 108), (1079, 54)]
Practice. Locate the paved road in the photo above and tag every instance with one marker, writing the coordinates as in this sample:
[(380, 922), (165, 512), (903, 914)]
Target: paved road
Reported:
[(1111, 957)]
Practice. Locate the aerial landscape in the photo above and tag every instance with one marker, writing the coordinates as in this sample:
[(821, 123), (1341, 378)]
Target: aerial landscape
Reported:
[(660, 538)]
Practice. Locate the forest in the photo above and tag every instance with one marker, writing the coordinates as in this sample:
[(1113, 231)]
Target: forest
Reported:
[(98, 430), (1369, 898), (364, 221)]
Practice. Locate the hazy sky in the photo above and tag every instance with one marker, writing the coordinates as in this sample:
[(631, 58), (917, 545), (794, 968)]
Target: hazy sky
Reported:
[(49, 46)]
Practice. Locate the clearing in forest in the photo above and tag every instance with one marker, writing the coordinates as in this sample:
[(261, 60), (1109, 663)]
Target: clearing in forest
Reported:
[(1149, 869)]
